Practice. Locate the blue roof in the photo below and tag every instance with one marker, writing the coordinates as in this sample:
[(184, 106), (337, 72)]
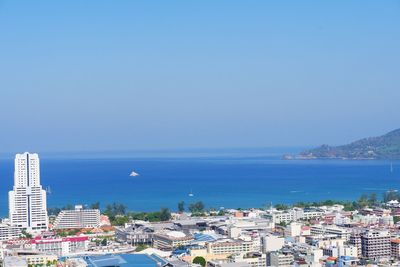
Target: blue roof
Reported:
[(203, 237), (180, 251), (123, 260), (158, 259)]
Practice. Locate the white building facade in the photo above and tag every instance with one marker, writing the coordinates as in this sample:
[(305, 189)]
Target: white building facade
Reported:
[(27, 200), (78, 218), (8, 232)]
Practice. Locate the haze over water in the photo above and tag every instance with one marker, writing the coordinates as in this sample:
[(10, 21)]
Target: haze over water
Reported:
[(243, 178)]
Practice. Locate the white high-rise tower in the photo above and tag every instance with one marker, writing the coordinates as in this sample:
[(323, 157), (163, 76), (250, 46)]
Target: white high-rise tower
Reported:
[(27, 200)]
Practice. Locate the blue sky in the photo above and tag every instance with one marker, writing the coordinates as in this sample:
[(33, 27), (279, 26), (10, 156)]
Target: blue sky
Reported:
[(126, 75)]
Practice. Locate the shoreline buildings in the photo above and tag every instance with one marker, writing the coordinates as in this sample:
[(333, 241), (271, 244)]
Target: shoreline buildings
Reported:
[(78, 218), (27, 200), (315, 236)]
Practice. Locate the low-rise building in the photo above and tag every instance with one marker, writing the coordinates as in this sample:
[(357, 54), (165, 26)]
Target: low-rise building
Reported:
[(8, 232), (75, 262), (294, 215), (61, 246), (337, 251), (171, 239), (252, 259), (227, 264), (14, 261), (134, 236), (278, 259), (272, 242), (41, 259), (229, 247), (340, 232)]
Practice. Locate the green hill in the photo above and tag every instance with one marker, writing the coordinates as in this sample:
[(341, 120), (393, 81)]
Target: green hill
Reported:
[(382, 147)]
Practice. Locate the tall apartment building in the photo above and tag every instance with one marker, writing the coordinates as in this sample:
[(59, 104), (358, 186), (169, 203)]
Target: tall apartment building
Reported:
[(375, 244), (78, 218), (355, 240), (395, 248), (27, 200)]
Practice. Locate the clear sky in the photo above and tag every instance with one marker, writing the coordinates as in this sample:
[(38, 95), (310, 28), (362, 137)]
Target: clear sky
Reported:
[(126, 75)]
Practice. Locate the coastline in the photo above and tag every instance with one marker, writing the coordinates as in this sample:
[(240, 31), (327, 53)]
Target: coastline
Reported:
[(229, 182)]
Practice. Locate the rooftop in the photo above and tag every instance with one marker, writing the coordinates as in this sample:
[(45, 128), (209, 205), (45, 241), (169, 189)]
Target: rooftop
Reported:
[(123, 260)]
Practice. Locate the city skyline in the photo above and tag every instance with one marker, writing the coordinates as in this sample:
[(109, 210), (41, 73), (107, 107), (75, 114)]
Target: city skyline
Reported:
[(199, 133)]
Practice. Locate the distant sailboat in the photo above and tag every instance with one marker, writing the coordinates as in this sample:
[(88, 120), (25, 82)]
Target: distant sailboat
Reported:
[(134, 174), (48, 190), (191, 193)]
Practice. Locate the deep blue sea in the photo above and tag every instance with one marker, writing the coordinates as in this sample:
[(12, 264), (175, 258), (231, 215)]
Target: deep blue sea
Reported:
[(224, 180)]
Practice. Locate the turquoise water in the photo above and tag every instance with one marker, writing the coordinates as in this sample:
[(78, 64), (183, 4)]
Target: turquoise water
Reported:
[(223, 181)]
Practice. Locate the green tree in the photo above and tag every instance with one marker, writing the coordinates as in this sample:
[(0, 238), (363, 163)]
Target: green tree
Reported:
[(95, 206), (165, 214), (391, 195), (350, 206), (68, 207), (115, 209), (281, 207), (200, 260), (372, 199), (138, 216), (196, 207), (363, 200), (104, 242), (53, 211), (181, 206), (282, 224), (119, 220), (25, 234)]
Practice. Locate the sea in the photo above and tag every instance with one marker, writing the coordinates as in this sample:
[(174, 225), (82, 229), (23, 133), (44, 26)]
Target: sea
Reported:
[(237, 178)]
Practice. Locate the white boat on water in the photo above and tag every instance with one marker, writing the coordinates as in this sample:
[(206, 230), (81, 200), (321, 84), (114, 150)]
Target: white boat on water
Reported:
[(191, 193), (134, 174)]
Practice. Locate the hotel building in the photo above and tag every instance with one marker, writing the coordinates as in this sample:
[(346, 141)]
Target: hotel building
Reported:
[(9, 232), (27, 200), (376, 244), (78, 218)]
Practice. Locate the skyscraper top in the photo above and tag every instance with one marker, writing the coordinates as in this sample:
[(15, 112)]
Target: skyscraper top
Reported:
[(26, 170)]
